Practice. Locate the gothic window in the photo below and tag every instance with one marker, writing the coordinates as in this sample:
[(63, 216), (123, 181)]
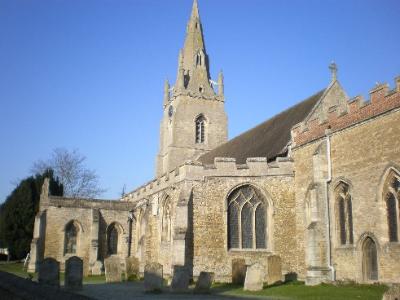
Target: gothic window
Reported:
[(391, 194), (370, 260), (247, 219), (344, 212), (166, 221), (112, 239), (71, 236), (200, 129)]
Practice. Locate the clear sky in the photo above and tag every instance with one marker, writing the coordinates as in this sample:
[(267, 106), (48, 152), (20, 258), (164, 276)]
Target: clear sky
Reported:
[(89, 74)]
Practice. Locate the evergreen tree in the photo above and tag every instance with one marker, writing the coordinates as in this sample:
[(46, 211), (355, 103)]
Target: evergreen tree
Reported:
[(17, 214)]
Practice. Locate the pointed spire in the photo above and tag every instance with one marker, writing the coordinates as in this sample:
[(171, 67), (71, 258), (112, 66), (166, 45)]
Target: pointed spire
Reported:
[(195, 11)]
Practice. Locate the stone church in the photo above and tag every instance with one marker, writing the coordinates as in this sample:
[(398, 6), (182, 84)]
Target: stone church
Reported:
[(316, 186)]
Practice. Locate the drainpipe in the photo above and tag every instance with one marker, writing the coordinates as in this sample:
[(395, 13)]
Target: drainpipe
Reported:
[(328, 214)]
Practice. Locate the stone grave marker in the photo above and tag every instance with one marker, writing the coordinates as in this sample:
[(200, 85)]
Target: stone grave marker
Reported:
[(73, 273), (255, 275), (274, 269), (49, 272), (180, 279), (113, 269), (97, 268), (238, 270), (204, 282), (393, 293), (131, 267), (153, 277)]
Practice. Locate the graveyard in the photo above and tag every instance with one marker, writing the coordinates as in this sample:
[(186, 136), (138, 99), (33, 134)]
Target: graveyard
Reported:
[(118, 283)]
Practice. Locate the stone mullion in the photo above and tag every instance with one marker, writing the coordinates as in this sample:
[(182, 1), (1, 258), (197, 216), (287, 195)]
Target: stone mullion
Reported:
[(254, 227)]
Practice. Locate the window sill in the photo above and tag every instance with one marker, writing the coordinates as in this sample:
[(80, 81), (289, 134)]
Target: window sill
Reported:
[(238, 250), (345, 247)]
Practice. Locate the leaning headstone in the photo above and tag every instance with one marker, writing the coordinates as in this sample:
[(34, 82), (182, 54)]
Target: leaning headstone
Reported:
[(254, 277), (131, 268), (113, 269), (73, 273), (393, 293), (180, 279), (204, 282), (49, 272), (97, 268), (274, 269), (238, 270), (153, 277)]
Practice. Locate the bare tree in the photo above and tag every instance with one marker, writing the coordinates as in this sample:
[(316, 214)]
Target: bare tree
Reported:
[(69, 167)]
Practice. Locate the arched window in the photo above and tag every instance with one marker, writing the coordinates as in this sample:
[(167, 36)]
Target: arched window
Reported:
[(391, 192), (247, 219), (200, 129), (344, 212), (166, 233), (71, 237), (112, 239), (370, 260)]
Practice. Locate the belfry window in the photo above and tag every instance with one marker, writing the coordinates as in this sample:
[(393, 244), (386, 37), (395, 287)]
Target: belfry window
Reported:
[(344, 213), (71, 237), (391, 195), (200, 129), (112, 239), (247, 219)]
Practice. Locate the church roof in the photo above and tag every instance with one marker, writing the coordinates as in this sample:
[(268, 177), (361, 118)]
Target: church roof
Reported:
[(269, 139)]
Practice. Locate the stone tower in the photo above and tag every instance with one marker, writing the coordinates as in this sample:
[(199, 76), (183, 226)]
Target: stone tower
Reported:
[(194, 119)]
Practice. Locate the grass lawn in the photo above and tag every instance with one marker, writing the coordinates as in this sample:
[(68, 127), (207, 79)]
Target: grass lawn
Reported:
[(299, 291), (17, 269)]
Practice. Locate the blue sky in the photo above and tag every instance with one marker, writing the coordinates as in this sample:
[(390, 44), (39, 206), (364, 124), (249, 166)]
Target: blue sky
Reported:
[(89, 74)]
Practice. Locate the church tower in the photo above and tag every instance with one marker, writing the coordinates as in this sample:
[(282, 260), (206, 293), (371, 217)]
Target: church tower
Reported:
[(194, 120)]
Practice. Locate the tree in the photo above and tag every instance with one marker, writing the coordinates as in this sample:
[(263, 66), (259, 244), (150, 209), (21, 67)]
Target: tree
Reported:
[(17, 215), (69, 167)]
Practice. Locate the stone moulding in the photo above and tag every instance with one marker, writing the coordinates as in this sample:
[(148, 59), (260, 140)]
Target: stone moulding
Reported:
[(381, 100)]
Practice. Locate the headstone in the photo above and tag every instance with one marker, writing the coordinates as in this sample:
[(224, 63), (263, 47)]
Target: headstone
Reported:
[(180, 279), (204, 282), (274, 269), (131, 268), (393, 293), (49, 272), (254, 277), (97, 268), (238, 270), (153, 277), (73, 273), (113, 269)]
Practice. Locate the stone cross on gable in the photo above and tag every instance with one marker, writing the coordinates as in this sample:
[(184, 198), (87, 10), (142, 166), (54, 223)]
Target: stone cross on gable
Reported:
[(334, 69)]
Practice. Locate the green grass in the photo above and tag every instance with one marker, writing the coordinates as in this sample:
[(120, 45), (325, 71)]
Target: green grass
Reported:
[(17, 269), (299, 291)]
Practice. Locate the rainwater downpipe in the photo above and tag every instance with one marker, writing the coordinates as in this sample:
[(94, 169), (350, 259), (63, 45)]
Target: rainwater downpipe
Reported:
[(328, 214)]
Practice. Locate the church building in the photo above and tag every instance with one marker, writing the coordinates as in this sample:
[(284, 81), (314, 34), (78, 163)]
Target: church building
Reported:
[(313, 191)]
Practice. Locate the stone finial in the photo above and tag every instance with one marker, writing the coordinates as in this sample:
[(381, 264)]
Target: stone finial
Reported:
[(46, 187), (166, 92), (334, 69), (220, 83)]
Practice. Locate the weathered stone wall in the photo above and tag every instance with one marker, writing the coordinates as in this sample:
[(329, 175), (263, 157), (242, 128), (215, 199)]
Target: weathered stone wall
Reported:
[(210, 234), (360, 154)]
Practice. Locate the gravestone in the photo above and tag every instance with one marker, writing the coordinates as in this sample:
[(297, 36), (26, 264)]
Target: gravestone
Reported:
[(204, 282), (153, 277), (49, 272), (393, 293), (97, 268), (131, 268), (254, 277), (73, 273), (274, 269), (180, 279), (113, 269), (238, 270)]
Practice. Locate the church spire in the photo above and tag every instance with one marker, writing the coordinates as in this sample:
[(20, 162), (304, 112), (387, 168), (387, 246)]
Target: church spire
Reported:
[(193, 71)]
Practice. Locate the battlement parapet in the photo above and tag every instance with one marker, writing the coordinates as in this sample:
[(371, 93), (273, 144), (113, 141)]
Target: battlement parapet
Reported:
[(222, 167), (381, 100)]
